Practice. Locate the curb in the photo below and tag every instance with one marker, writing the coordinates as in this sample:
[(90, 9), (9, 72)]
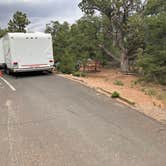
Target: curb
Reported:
[(108, 93), (121, 98)]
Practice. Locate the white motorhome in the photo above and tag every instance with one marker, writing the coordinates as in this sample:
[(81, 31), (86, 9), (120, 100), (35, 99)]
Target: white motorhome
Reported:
[(2, 60), (28, 52)]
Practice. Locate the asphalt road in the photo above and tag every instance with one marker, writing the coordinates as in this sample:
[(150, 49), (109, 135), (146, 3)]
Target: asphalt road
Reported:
[(51, 121)]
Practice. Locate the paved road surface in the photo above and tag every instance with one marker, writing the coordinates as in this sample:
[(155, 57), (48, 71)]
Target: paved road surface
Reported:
[(51, 121)]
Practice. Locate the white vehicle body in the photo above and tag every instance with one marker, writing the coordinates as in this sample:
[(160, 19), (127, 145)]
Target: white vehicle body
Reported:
[(28, 52), (2, 60)]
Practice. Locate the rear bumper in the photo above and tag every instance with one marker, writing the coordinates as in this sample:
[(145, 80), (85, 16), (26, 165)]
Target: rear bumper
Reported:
[(19, 70), (2, 65)]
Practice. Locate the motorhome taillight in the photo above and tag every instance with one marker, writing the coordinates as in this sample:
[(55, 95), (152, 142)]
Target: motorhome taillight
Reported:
[(51, 61), (15, 63)]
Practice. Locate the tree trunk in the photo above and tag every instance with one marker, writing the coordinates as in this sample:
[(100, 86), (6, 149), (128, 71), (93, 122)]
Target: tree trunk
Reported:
[(84, 66), (124, 62), (96, 65)]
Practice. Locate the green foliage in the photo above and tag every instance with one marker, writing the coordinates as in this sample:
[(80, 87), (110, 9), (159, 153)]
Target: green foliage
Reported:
[(134, 36), (80, 39), (61, 36), (135, 82), (2, 32), (85, 39), (79, 74), (115, 95), (149, 91), (153, 59), (154, 7), (18, 23), (119, 83), (162, 96), (122, 27), (67, 64), (126, 31)]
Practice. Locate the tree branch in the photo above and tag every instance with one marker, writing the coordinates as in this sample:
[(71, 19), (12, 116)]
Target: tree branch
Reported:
[(109, 53)]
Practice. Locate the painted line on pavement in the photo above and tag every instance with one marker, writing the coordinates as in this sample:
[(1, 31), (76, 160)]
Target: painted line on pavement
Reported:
[(8, 83)]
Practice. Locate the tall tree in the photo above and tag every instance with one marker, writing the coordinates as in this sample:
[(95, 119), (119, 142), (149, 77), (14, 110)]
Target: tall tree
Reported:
[(2, 32), (153, 59), (18, 23), (85, 37), (118, 12), (60, 35), (79, 41)]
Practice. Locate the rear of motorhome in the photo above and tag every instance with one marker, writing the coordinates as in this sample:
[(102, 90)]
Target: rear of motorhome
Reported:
[(2, 60), (25, 52)]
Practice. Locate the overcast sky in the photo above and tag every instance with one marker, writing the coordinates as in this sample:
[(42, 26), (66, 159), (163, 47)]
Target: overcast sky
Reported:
[(40, 12)]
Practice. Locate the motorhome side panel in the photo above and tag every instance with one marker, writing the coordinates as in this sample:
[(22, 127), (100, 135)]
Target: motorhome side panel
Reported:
[(2, 60), (7, 52)]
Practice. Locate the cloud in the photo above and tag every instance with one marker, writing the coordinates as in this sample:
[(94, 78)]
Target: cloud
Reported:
[(41, 12)]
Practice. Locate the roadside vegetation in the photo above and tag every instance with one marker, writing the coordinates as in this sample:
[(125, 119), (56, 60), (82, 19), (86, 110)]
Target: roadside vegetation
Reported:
[(132, 33), (17, 23), (118, 82), (115, 95)]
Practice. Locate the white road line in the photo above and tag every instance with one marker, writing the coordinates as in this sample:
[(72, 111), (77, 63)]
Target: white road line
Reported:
[(8, 83)]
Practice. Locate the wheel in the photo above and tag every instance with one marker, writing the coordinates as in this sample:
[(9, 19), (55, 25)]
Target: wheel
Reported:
[(7, 71), (50, 71)]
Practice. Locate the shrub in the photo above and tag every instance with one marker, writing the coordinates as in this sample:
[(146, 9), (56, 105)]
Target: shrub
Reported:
[(152, 61), (162, 96), (118, 82), (67, 64), (83, 74), (151, 92), (115, 95), (79, 74), (135, 82)]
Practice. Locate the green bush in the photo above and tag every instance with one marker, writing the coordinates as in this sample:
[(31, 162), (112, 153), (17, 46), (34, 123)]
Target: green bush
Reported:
[(115, 95), (83, 74), (67, 64), (153, 60), (76, 74), (151, 92), (162, 96), (118, 82), (135, 82), (79, 74)]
